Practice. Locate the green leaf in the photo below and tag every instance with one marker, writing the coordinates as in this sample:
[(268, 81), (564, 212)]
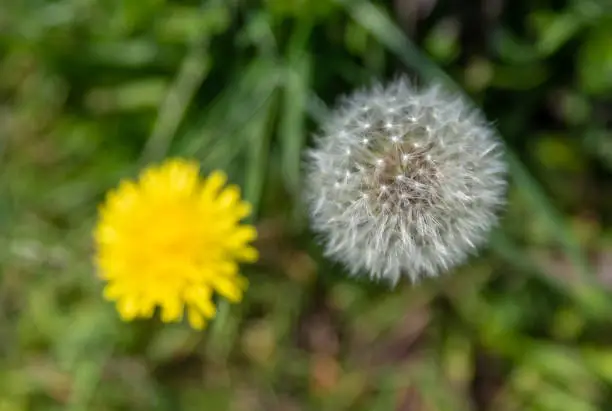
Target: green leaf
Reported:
[(124, 53), (595, 61), (136, 95), (519, 77), (553, 30), (442, 42), (511, 49), (185, 24)]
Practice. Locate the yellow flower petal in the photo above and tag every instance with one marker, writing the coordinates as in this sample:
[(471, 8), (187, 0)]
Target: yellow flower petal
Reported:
[(242, 235), (172, 310), (247, 254), (242, 210), (112, 292), (213, 184), (228, 197), (200, 298), (128, 308), (229, 288), (196, 319)]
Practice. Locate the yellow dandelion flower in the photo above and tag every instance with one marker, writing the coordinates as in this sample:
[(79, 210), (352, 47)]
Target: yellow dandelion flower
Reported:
[(171, 240)]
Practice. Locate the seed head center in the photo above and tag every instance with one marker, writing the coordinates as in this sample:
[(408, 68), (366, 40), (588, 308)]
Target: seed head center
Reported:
[(404, 175)]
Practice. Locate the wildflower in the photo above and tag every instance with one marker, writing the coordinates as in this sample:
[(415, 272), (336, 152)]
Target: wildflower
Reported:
[(404, 181), (171, 240)]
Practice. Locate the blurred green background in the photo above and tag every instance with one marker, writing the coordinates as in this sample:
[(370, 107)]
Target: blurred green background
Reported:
[(93, 90)]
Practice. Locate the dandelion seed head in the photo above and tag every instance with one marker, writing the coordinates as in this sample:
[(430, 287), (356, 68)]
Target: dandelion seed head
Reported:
[(423, 194)]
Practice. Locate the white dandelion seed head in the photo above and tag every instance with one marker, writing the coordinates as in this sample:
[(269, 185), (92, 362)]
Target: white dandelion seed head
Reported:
[(415, 192)]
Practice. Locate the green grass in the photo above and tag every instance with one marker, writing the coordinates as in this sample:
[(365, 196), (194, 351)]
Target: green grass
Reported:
[(92, 91)]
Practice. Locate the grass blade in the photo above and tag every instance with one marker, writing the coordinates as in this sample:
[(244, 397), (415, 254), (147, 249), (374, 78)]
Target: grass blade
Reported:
[(220, 135), (295, 95), (192, 72)]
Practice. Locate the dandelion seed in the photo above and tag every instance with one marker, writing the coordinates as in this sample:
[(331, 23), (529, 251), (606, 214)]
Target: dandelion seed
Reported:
[(418, 205), (171, 240)]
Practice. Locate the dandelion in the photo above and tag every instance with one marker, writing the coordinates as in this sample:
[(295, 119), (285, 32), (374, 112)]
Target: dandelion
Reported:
[(172, 240), (404, 181)]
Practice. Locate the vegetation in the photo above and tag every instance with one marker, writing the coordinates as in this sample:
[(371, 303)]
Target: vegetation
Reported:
[(92, 91)]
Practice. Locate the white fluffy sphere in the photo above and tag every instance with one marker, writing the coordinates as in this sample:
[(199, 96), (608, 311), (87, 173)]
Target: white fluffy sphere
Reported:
[(404, 181)]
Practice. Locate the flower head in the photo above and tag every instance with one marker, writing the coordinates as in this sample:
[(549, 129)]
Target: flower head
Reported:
[(404, 181), (171, 240)]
